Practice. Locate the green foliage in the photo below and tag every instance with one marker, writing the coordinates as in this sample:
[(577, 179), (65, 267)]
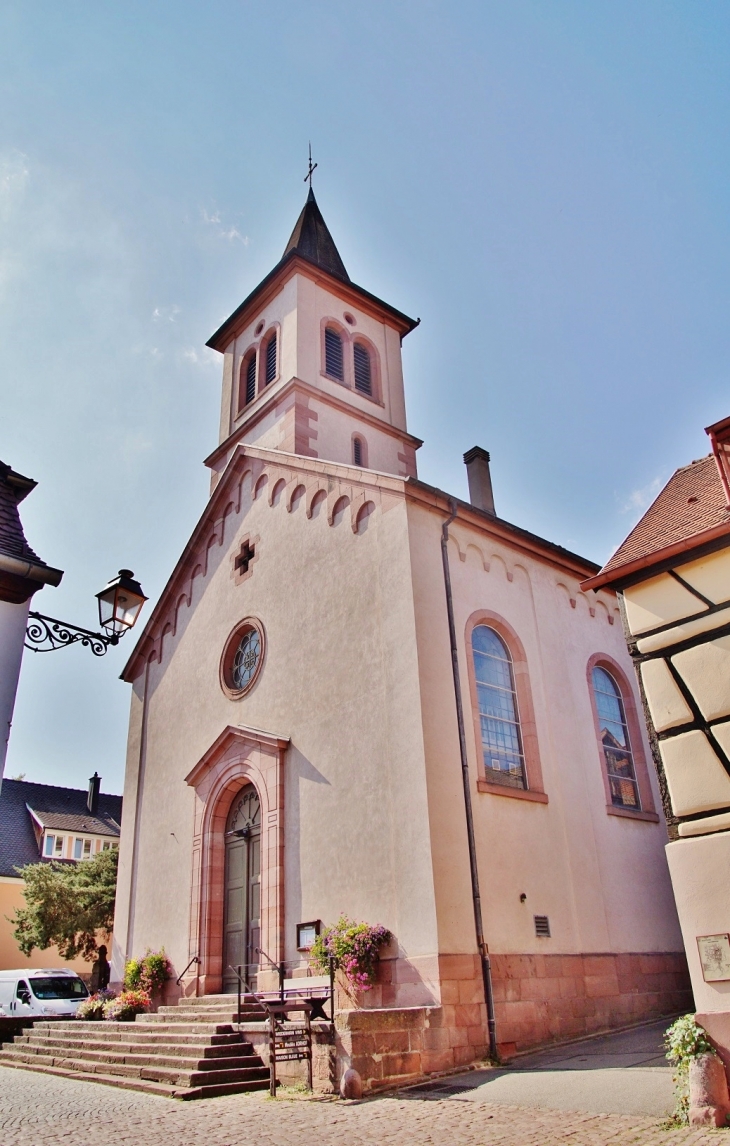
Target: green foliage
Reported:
[(149, 973), (684, 1040), (67, 905), (354, 948), (126, 1006)]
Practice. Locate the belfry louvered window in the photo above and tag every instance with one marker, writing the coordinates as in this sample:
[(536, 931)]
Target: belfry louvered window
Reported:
[(333, 356), (248, 371), (363, 375), (357, 451), (271, 359), (503, 755), (617, 754)]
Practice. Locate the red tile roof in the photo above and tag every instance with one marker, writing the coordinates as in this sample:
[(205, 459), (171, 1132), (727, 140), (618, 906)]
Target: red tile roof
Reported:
[(691, 509)]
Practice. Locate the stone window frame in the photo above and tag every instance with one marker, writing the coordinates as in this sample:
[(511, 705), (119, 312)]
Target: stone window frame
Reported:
[(535, 790), (641, 770)]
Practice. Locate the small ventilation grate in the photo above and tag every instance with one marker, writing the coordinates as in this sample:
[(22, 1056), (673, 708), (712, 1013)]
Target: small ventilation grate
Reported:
[(271, 359), (542, 926), (357, 452), (363, 380), (333, 359), (251, 379)]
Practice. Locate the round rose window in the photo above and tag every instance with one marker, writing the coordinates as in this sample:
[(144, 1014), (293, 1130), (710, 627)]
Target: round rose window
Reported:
[(242, 658)]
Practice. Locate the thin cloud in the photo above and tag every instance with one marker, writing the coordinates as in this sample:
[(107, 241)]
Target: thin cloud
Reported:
[(640, 499), (231, 233), (165, 313)]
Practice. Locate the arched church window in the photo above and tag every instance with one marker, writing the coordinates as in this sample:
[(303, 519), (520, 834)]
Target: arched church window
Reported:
[(247, 383), (363, 369), (504, 761), (357, 451), (271, 359), (614, 733), (334, 362)]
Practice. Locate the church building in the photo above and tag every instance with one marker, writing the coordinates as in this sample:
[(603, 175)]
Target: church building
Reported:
[(358, 694)]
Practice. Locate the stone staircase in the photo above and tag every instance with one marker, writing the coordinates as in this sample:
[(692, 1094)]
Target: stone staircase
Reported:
[(192, 1050)]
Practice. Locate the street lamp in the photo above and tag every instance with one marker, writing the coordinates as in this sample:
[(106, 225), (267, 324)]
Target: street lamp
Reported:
[(120, 603)]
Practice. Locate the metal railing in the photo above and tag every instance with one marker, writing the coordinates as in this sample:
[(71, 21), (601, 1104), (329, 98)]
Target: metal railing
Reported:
[(195, 959)]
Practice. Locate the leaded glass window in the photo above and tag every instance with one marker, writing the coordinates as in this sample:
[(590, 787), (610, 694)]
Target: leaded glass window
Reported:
[(616, 742), (246, 658), (504, 761)]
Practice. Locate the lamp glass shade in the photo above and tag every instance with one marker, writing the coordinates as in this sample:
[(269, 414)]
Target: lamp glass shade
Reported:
[(120, 602)]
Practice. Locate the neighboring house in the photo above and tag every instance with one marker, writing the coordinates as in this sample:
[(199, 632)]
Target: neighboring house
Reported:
[(22, 573), (296, 749), (673, 572), (40, 823)]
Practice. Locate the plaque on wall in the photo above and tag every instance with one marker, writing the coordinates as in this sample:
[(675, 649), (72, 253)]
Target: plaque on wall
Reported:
[(714, 957)]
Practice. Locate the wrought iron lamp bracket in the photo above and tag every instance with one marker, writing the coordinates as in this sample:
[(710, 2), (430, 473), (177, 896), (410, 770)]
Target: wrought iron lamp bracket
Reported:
[(46, 634)]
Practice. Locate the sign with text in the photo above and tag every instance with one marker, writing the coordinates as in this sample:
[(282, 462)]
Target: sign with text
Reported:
[(714, 957)]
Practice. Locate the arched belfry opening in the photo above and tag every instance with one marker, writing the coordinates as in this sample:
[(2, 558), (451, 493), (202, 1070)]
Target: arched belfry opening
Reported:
[(242, 900)]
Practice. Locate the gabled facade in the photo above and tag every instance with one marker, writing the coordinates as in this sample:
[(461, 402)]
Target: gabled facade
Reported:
[(296, 749), (42, 823)]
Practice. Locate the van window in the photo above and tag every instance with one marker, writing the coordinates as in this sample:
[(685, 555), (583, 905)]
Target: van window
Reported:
[(59, 988), (22, 992), (7, 990)]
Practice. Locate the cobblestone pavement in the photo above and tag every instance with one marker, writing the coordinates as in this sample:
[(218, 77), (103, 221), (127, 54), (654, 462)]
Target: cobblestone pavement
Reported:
[(40, 1110)]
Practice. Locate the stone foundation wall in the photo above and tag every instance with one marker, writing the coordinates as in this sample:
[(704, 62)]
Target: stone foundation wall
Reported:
[(546, 998)]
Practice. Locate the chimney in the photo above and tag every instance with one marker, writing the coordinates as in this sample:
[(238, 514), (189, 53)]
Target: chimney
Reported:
[(92, 800), (476, 461), (719, 435)]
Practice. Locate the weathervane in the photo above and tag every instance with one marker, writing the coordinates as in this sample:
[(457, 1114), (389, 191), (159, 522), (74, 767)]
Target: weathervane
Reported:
[(312, 166)]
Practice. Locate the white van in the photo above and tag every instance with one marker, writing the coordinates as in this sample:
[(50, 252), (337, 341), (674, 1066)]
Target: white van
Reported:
[(41, 992)]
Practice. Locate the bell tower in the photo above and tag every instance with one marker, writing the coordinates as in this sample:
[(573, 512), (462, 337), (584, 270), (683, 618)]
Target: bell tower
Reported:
[(312, 363)]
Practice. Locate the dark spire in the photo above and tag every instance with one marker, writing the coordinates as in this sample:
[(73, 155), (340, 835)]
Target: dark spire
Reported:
[(311, 239)]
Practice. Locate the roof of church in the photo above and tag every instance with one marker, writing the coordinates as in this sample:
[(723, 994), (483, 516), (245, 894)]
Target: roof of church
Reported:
[(690, 511), (311, 241), (59, 808), (13, 488)]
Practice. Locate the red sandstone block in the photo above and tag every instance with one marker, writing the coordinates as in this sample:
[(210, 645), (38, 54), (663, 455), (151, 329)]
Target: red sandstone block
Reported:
[(463, 1055), (436, 1039), (458, 1037), (450, 991), (514, 966), (471, 991), (415, 1040), (571, 966), (569, 988), (651, 964), (367, 1067), (468, 1015), (506, 1050), (541, 989), (395, 1064), (499, 990), (388, 996), (459, 966), (599, 986), (582, 1008), (477, 1038), (387, 1042), (599, 966), (523, 1012), (432, 1061), (447, 1017)]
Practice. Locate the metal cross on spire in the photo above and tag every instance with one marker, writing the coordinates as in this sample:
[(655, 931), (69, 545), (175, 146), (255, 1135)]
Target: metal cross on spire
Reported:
[(312, 166)]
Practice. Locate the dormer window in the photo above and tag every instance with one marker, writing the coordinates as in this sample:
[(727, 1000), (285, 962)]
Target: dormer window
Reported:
[(333, 355), (270, 360), (363, 370), (54, 846)]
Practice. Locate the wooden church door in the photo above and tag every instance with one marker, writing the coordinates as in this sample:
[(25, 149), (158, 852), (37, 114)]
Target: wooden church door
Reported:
[(242, 923)]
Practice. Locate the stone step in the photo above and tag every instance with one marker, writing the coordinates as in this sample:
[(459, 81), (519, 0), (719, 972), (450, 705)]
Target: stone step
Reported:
[(131, 1056), (106, 1034), (116, 1047), (170, 1076), (146, 1086)]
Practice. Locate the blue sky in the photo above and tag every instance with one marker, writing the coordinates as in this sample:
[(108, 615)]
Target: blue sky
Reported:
[(543, 182)]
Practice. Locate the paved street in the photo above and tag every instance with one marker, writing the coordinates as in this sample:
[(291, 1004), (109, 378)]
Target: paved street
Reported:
[(585, 1094)]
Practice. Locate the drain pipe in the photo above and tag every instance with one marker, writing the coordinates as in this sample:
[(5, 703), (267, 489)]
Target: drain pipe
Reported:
[(476, 897)]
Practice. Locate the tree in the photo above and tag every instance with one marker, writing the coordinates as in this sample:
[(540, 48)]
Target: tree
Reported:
[(67, 905)]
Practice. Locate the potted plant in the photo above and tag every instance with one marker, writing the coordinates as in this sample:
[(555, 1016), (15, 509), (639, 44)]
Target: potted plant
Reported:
[(354, 949)]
